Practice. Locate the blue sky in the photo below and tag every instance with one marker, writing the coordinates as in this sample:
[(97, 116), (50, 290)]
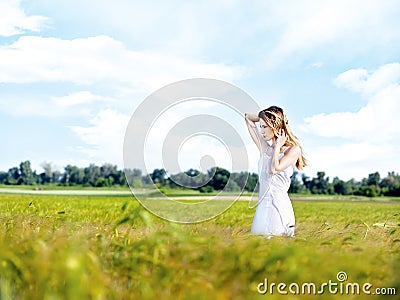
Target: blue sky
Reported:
[(73, 72)]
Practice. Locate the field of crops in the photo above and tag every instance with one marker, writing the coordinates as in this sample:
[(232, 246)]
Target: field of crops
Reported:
[(110, 247)]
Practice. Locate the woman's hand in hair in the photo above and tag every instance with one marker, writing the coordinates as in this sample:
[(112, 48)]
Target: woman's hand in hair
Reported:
[(280, 139)]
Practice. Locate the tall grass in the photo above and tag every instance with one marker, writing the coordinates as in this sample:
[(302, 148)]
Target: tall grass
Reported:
[(56, 247)]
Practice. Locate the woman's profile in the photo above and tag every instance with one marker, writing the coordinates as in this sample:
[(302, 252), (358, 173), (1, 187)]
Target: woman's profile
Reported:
[(280, 152)]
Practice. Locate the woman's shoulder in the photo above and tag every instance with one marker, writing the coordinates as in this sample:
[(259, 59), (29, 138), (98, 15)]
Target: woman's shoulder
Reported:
[(294, 149)]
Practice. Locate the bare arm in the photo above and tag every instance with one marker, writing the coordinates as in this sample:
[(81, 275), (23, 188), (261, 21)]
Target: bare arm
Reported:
[(251, 118), (290, 157)]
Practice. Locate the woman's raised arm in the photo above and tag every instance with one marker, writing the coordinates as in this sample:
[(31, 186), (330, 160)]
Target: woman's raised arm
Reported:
[(251, 119)]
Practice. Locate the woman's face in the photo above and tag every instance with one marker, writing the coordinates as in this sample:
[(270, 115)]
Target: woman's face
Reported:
[(266, 131)]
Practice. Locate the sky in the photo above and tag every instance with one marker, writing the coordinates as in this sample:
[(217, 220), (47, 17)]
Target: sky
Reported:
[(72, 74)]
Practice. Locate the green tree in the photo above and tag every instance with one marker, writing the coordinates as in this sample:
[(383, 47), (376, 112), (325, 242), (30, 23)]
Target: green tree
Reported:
[(231, 186), (112, 174), (252, 183), (26, 174), (73, 175), (133, 177), (320, 184), (341, 187), (296, 185), (240, 179), (50, 175), (3, 177), (13, 175), (192, 172), (391, 184), (158, 176), (370, 191), (102, 182), (374, 179), (220, 177), (206, 189), (191, 178), (92, 173)]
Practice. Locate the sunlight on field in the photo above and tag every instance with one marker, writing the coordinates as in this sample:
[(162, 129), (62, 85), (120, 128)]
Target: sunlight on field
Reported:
[(87, 247)]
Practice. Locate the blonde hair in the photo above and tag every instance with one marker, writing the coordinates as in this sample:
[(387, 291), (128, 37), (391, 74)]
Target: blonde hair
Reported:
[(277, 120)]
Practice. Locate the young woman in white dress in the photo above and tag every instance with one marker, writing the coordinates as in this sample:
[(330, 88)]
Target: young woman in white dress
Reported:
[(280, 152)]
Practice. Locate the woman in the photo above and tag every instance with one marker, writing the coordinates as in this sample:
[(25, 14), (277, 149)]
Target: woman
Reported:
[(279, 153)]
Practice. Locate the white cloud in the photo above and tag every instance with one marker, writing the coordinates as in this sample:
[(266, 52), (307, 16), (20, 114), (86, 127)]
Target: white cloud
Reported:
[(99, 59), (377, 120), (178, 36), (317, 64), (192, 29), (13, 20), (338, 26), (276, 29), (33, 106), (369, 135), (83, 97), (74, 104), (195, 148), (352, 79), (369, 83), (103, 139), (352, 160), (195, 142)]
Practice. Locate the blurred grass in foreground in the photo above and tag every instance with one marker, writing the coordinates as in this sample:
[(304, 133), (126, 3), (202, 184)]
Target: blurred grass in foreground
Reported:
[(56, 247)]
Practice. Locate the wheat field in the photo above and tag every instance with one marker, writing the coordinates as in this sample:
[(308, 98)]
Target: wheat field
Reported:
[(110, 247)]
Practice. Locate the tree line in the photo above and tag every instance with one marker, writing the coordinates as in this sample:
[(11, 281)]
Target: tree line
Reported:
[(216, 178)]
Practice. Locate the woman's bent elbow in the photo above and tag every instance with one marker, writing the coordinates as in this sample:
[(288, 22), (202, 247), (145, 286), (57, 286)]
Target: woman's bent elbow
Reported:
[(273, 172)]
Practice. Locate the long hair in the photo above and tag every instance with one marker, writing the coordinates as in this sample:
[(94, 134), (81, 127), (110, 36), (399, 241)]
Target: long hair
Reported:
[(277, 120)]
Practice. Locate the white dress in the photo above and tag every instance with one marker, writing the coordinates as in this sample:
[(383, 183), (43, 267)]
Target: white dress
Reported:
[(274, 213)]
